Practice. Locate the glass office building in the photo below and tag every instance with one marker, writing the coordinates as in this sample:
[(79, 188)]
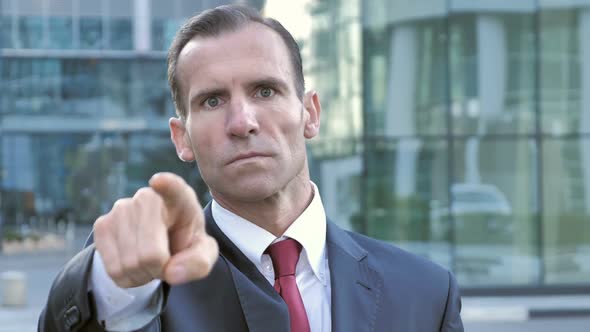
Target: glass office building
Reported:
[(460, 130), (84, 103), (457, 129)]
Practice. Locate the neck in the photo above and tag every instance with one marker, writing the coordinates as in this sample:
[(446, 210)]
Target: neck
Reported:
[(277, 212)]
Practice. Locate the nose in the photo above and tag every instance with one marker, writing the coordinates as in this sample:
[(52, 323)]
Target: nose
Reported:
[(241, 119)]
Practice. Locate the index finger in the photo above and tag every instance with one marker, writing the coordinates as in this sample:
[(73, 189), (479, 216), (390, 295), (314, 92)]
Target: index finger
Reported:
[(180, 200)]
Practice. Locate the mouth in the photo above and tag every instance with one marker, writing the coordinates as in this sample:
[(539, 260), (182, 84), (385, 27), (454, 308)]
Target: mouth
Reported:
[(247, 156)]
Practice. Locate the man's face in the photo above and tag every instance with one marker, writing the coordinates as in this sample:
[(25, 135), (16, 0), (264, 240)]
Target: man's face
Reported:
[(245, 125)]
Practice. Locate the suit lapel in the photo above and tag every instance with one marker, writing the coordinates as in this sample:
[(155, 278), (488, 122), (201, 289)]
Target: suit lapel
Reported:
[(355, 284), (263, 307)]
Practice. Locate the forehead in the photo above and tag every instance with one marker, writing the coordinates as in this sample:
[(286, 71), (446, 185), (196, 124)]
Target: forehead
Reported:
[(253, 49)]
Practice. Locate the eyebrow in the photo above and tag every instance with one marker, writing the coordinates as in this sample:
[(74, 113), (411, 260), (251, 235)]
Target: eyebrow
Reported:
[(269, 81), (196, 99)]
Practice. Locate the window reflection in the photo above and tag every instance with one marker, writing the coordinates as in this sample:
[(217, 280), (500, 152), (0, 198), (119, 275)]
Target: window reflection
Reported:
[(560, 77), (495, 211), (60, 33), (405, 192), (31, 32), (492, 72), (121, 35), (566, 205), (91, 33), (163, 31), (93, 87), (89, 172), (6, 32)]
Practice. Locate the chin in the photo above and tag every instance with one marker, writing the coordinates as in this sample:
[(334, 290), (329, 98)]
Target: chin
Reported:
[(247, 190)]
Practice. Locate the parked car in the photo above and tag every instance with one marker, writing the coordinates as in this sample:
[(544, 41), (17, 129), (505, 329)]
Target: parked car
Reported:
[(480, 211)]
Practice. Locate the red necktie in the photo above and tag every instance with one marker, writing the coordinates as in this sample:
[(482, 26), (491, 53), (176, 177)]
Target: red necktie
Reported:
[(285, 255)]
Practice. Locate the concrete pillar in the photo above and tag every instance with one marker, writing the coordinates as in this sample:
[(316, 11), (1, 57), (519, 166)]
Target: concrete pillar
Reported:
[(401, 85), (491, 68), (13, 285), (142, 30), (400, 116), (584, 56), (491, 82)]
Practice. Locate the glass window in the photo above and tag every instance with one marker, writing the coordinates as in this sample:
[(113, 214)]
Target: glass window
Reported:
[(60, 32), (6, 32), (566, 205), (7, 85), (31, 31), (336, 167), (89, 172), (163, 31), (150, 92), (115, 76), (91, 32), (121, 35), (152, 153), (407, 194), (27, 159), (492, 73), (29, 85), (560, 79), (335, 68), (495, 212), (375, 74), (81, 90), (407, 79)]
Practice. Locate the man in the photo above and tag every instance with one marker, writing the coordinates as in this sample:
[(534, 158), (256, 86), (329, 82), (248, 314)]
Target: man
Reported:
[(261, 256)]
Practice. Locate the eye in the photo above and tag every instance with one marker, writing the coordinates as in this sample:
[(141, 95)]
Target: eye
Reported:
[(265, 92), (212, 102)]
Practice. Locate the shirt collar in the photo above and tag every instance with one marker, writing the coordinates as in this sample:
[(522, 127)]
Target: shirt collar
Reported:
[(309, 229)]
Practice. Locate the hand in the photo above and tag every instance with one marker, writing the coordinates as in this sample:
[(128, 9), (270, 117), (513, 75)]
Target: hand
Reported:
[(157, 234)]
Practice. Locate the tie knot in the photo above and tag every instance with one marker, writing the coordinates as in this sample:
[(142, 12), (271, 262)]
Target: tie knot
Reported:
[(284, 255)]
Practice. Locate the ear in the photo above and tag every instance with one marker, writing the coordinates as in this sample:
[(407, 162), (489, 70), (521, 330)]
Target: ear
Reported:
[(313, 108), (181, 139)]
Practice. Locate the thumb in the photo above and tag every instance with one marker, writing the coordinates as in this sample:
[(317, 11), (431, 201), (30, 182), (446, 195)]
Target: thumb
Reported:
[(193, 263)]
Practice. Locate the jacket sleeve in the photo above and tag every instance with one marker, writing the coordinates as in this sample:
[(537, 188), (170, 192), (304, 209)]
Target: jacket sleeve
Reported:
[(452, 317), (69, 305)]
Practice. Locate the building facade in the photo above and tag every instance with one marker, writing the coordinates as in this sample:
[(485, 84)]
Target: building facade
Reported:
[(459, 130)]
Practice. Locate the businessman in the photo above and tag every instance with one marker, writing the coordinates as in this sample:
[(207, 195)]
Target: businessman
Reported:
[(262, 255)]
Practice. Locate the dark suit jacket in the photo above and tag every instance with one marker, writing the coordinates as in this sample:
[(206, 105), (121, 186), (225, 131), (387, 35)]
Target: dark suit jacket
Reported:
[(375, 287)]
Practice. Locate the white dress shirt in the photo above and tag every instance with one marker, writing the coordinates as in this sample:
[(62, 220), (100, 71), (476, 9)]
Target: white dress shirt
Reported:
[(128, 309)]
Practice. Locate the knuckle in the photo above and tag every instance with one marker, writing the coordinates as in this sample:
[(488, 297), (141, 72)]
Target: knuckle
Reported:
[(152, 258), (143, 193), (121, 203), (145, 196), (129, 264), (101, 226)]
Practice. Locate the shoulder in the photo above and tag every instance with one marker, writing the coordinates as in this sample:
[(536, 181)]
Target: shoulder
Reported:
[(394, 262), (413, 291)]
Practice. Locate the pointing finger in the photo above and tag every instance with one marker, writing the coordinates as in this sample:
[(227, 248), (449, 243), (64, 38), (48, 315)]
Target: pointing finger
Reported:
[(184, 213)]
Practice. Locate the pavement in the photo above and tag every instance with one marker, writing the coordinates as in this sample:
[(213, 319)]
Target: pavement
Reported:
[(527, 313), (40, 270), (480, 314)]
